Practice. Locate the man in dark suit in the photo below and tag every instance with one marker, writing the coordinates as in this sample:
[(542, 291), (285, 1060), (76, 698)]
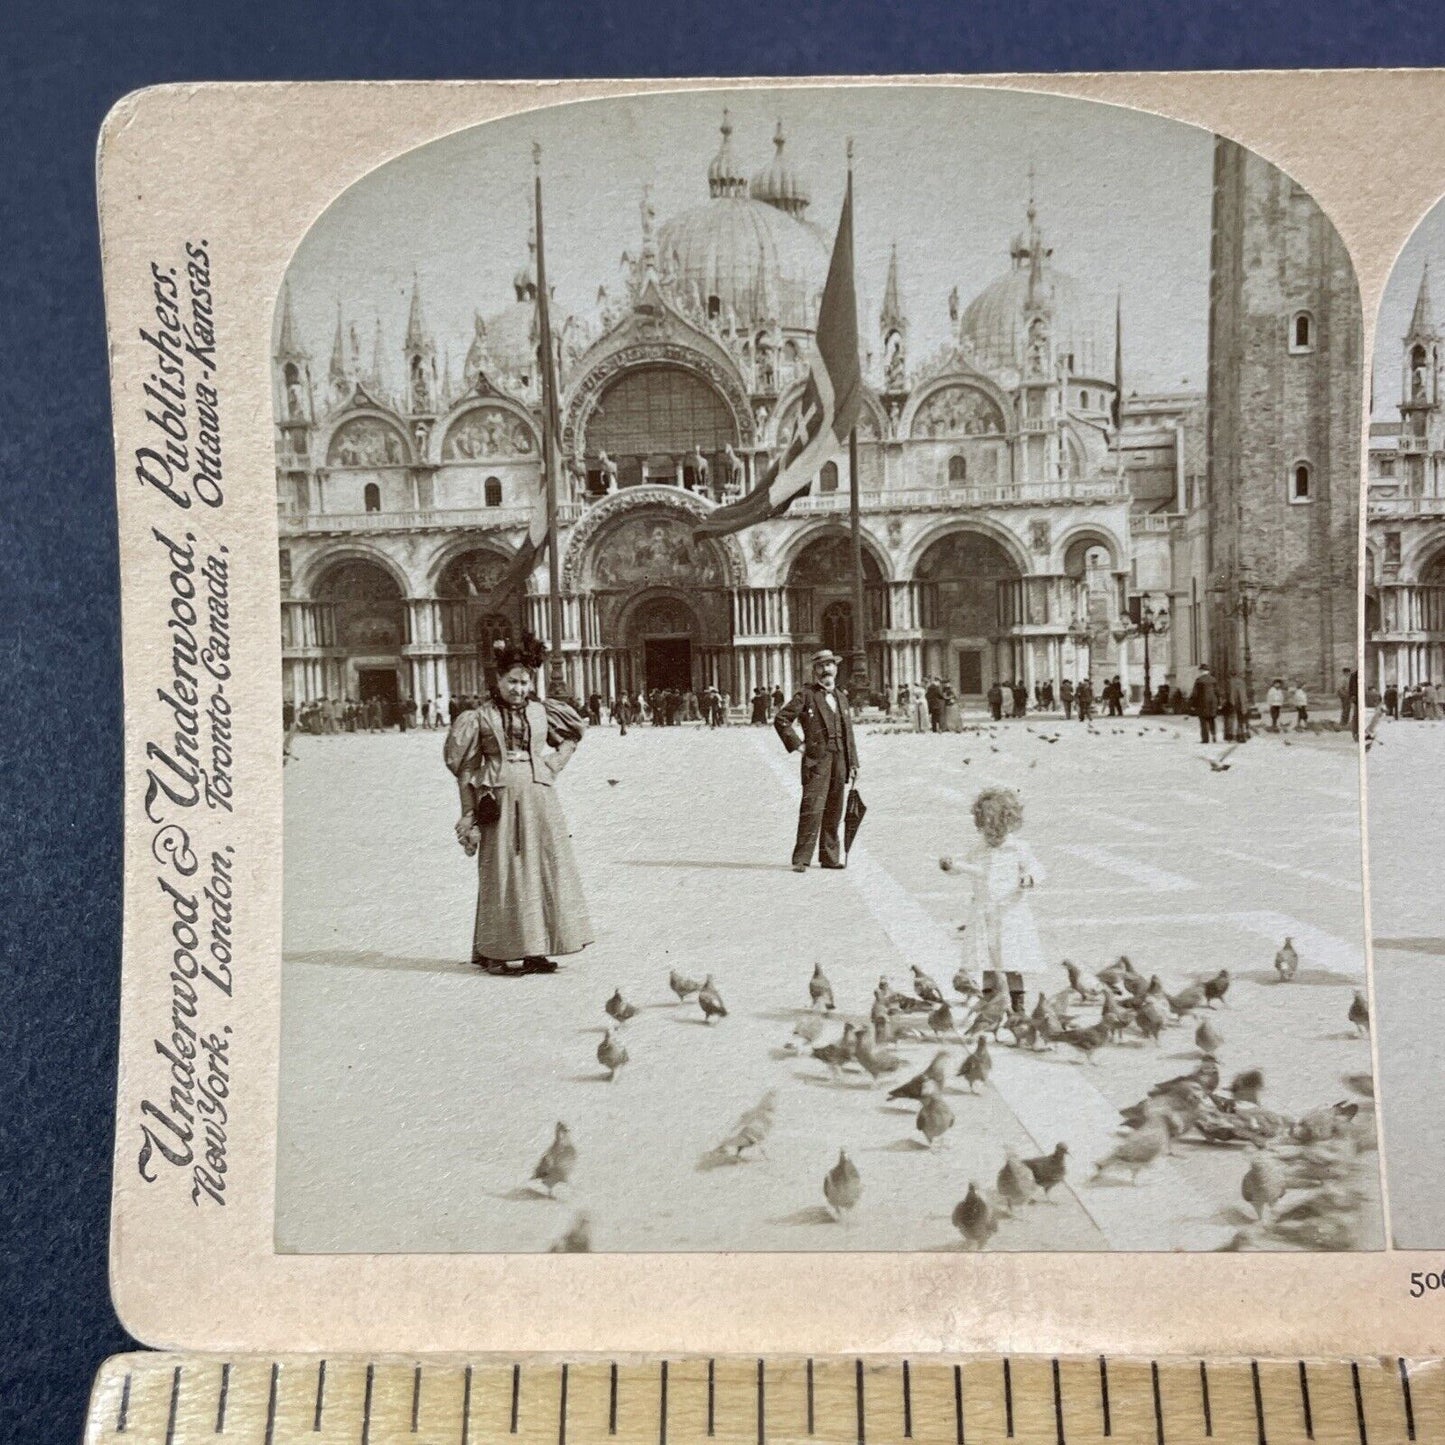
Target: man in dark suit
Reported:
[(819, 712), (933, 695), (1204, 703)]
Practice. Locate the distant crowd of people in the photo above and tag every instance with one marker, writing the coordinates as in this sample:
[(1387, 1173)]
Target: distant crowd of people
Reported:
[(1420, 702), (932, 704)]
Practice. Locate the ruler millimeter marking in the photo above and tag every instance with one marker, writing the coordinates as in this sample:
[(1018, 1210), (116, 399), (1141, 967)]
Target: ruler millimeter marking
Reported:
[(180, 1399)]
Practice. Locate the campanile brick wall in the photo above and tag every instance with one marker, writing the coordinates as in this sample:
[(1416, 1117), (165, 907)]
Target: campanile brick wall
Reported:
[(1274, 254)]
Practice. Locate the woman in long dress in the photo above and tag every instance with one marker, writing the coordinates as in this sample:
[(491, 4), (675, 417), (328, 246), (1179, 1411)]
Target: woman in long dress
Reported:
[(952, 711), (1001, 941), (506, 755)]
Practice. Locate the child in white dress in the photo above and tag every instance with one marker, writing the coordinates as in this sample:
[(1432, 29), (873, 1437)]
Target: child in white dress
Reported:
[(1001, 941)]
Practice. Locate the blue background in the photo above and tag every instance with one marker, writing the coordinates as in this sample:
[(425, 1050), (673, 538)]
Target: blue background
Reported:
[(60, 693)]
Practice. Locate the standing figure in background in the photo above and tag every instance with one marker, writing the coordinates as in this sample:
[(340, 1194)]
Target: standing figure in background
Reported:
[(817, 722)]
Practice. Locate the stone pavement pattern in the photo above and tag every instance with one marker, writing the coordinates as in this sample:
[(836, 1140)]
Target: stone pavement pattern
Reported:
[(418, 1094), (1406, 781)]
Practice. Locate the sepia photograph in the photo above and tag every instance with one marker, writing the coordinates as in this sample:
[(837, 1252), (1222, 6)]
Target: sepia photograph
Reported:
[(818, 636), (1403, 696)]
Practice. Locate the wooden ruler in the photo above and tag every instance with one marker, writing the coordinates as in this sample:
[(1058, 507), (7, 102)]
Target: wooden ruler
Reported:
[(184, 1399)]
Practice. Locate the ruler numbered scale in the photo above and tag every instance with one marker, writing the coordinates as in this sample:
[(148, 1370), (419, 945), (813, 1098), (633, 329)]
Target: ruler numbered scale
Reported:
[(185, 1399)]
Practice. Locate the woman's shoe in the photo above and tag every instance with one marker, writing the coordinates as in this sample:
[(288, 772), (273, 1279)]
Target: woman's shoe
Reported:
[(538, 964), (497, 967)]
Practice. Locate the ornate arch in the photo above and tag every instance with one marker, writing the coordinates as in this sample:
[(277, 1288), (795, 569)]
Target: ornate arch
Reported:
[(303, 582), (367, 427), (796, 545), (1013, 548), (655, 334), (658, 601), (1417, 556), (872, 419), (459, 546), (512, 434), (958, 379), (1090, 532), (600, 515)]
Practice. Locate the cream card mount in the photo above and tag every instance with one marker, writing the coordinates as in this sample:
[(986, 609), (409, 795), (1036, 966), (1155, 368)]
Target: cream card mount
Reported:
[(970, 396)]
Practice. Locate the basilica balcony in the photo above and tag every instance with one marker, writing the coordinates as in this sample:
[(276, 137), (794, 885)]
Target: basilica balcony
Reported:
[(1381, 507), (1144, 522), (948, 499), (480, 519), (1406, 443)]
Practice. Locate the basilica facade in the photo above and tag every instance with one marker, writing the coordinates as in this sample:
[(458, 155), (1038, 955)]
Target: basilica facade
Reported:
[(1014, 506), (1405, 552)]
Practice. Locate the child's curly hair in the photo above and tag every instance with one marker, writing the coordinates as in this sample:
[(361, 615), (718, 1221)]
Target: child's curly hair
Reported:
[(997, 812)]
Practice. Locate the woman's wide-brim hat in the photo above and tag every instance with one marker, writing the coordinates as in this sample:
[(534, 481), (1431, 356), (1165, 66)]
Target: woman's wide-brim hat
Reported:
[(825, 654)]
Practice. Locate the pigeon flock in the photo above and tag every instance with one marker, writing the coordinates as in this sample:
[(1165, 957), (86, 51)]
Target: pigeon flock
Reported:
[(1305, 1182)]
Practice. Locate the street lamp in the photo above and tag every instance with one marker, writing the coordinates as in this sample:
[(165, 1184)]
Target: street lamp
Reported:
[(1241, 600), (1146, 624)]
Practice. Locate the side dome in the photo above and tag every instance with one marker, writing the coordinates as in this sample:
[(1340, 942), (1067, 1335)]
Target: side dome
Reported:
[(993, 325)]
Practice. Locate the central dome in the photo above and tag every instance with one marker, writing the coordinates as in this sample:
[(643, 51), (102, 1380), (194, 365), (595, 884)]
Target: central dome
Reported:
[(993, 324), (740, 258)]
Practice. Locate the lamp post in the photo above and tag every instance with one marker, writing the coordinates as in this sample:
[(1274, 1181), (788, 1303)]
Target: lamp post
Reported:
[(1147, 624), (1081, 638), (1241, 600)]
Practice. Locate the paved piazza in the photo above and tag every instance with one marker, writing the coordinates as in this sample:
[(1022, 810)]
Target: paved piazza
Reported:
[(1407, 795), (418, 1094)]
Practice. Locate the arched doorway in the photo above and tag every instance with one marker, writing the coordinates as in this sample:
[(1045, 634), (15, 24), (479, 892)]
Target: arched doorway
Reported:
[(361, 624), (969, 603), (652, 421), (469, 624), (821, 579), (660, 602), (661, 630)]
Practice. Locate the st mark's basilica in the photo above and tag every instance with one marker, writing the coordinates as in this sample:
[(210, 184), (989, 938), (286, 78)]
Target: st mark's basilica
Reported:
[(1014, 506)]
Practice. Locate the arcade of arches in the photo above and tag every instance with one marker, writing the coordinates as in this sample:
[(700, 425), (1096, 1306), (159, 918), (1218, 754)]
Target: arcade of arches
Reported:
[(654, 606), (1406, 624)]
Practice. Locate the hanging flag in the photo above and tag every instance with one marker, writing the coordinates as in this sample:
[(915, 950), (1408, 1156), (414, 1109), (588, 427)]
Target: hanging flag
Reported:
[(830, 403), (530, 551)]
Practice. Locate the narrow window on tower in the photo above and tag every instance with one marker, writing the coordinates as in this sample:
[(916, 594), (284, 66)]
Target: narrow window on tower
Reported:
[(371, 497), (1301, 483), (1301, 332), (1084, 400), (492, 492)]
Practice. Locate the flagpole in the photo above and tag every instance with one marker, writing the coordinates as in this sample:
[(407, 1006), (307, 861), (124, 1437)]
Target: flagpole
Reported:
[(556, 683), (861, 682)]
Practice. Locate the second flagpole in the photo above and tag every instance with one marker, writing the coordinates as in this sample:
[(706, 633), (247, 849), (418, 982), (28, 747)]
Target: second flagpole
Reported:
[(860, 682), (556, 679)]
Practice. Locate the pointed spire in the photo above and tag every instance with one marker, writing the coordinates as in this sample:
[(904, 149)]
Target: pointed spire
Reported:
[(1036, 298), (416, 333), (376, 381), (338, 350), (723, 176), (1422, 322), (287, 346), (475, 364), (891, 318)]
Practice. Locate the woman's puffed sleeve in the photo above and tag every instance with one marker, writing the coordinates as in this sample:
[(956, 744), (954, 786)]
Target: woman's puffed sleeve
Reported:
[(564, 723), (462, 749)]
